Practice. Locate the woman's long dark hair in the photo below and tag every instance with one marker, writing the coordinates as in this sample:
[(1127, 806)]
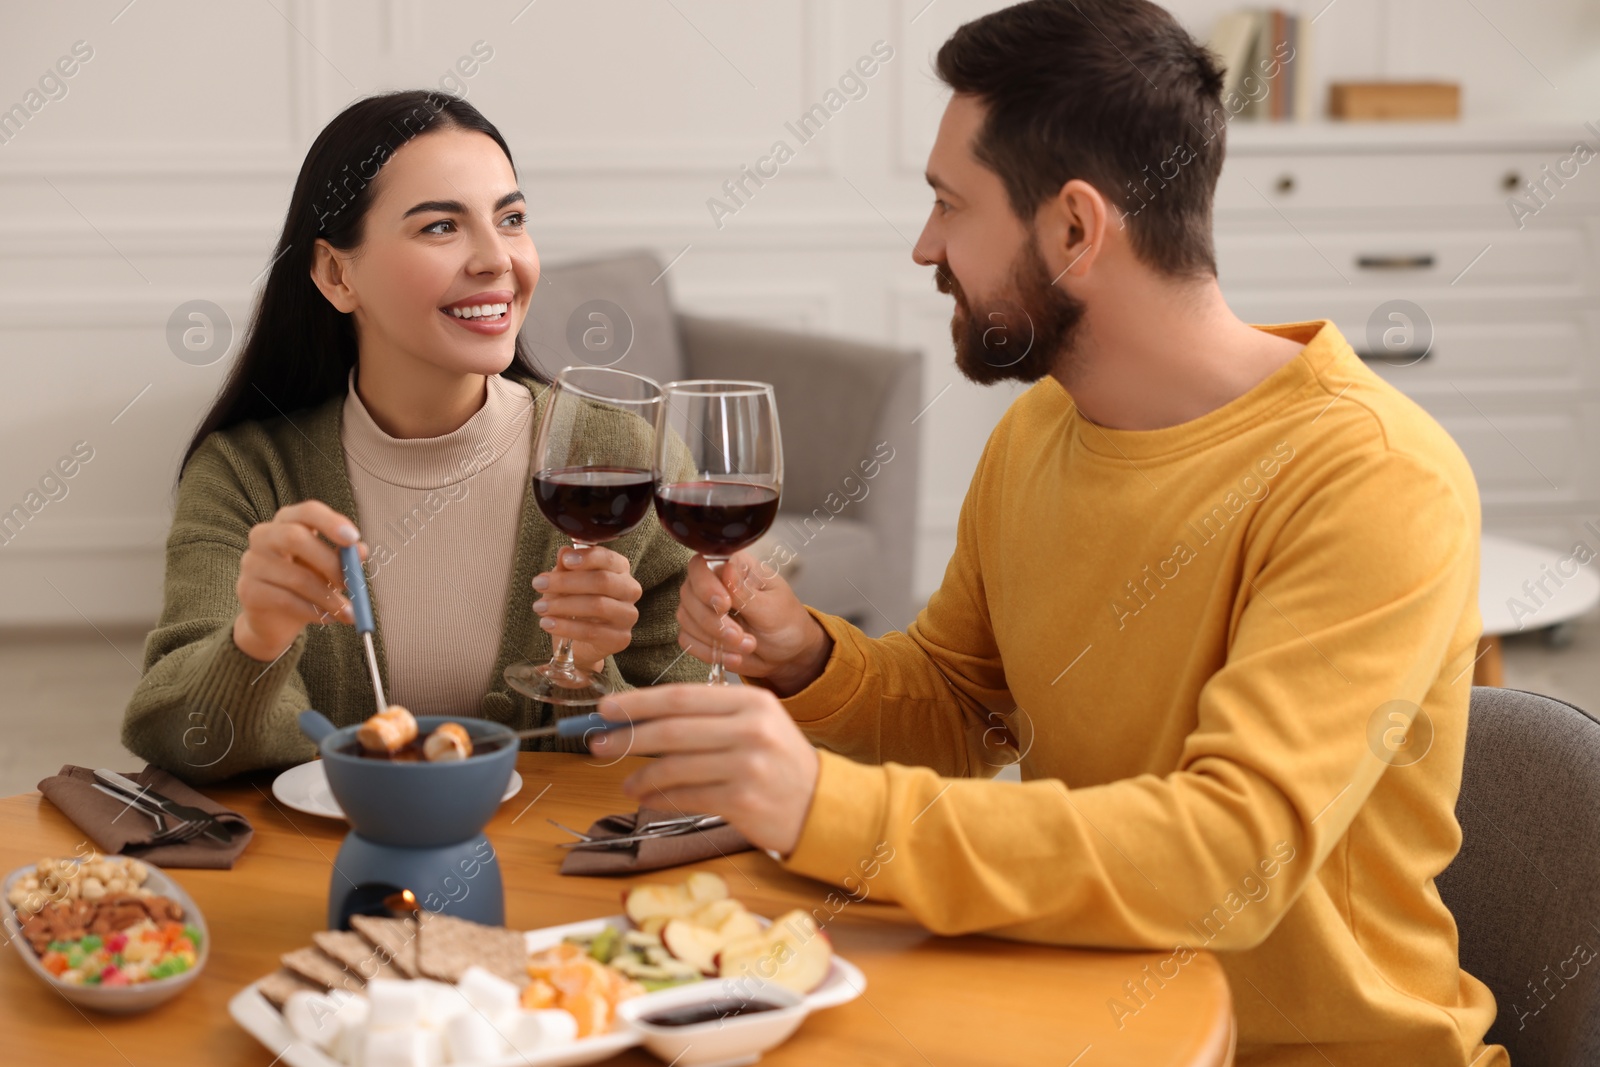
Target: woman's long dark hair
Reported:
[(299, 348)]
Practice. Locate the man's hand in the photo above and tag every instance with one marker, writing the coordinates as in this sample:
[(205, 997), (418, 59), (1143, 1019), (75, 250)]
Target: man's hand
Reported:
[(725, 750), (590, 598), (772, 636)]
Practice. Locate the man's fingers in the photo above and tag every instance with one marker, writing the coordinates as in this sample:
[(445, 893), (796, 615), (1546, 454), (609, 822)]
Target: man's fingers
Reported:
[(682, 771), (681, 698), (704, 587)]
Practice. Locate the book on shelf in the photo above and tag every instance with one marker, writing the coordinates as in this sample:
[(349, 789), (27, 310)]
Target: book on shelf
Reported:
[(1265, 56)]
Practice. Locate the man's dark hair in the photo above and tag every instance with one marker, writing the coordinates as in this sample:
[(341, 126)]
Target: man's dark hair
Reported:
[(1113, 92)]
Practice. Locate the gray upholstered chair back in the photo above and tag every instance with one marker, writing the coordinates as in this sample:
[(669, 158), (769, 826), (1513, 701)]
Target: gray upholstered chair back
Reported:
[(609, 311), (1525, 889)]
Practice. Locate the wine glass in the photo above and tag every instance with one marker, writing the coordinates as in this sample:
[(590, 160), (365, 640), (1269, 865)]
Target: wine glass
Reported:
[(592, 477), (719, 471)]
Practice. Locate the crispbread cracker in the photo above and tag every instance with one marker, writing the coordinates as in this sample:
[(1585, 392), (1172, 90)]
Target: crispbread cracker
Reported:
[(317, 966), (277, 986), (356, 953), (397, 938), (447, 946)]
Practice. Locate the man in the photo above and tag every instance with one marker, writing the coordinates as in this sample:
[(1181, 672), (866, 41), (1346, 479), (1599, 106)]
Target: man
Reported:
[(1215, 588)]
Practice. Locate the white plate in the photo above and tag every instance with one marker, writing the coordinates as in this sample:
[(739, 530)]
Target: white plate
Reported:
[(261, 1020), (305, 788)]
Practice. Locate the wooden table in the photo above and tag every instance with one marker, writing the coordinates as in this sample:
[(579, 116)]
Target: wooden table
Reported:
[(929, 1000)]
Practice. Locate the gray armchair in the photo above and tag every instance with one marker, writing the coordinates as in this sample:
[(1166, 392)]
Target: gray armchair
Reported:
[(846, 531), (1525, 887)]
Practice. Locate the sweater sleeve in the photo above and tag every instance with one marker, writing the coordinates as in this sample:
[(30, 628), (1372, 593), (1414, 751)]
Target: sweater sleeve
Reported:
[(205, 710), (1358, 604)]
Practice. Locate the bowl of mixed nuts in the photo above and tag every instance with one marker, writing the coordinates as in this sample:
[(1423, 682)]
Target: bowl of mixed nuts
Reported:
[(111, 933)]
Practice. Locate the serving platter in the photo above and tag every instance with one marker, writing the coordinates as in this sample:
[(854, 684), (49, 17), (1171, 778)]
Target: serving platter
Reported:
[(251, 1010)]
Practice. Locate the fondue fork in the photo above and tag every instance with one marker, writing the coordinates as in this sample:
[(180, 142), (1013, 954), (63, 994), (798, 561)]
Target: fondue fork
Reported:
[(355, 582)]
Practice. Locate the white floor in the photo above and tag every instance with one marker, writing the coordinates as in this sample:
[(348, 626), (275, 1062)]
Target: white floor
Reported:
[(62, 694)]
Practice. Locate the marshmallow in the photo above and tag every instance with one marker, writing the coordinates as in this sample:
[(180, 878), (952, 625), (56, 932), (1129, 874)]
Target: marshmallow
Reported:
[(489, 993), (450, 741), (396, 1003), (403, 1048), (441, 1002), (314, 1018), (537, 1031), (388, 731), (471, 1038)]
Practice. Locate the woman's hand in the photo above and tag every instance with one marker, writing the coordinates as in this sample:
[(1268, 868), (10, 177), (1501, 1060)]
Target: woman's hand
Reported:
[(725, 750), (772, 636), (289, 577), (589, 598)]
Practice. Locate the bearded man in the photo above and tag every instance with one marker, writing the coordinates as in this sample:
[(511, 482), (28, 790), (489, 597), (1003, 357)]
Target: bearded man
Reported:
[(1206, 572)]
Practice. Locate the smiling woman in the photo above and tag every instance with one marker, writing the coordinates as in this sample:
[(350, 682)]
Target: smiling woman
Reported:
[(383, 352)]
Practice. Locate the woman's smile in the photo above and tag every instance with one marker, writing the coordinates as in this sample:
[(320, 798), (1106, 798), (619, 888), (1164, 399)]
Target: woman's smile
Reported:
[(485, 313)]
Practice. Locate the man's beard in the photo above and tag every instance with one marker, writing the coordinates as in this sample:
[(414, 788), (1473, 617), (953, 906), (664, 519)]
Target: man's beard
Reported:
[(1021, 336)]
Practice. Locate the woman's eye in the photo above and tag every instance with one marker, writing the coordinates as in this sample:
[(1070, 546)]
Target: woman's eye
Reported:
[(516, 220), (434, 227), (941, 205)]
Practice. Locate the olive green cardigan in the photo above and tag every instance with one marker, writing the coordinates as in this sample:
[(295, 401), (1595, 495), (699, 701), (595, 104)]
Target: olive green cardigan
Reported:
[(205, 710)]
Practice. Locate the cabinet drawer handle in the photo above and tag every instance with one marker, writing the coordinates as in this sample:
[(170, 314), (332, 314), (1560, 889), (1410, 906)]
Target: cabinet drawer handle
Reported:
[(1402, 358), (1418, 262)]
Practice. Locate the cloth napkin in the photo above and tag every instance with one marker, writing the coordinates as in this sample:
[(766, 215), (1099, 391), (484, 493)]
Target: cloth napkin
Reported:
[(654, 854), (116, 828)]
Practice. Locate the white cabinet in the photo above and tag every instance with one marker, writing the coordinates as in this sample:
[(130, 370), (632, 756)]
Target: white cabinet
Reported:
[(1336, 221)]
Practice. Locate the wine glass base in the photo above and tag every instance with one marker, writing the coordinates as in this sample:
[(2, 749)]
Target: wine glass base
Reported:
[(555, 684)]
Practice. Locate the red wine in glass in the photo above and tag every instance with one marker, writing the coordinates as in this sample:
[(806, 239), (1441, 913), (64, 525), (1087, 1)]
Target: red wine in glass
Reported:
[(719, 471), (593, 479), (716, 519), (593, 505)]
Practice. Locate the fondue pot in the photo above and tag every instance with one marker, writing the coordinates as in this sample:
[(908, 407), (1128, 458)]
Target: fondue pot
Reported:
[(416, 838)]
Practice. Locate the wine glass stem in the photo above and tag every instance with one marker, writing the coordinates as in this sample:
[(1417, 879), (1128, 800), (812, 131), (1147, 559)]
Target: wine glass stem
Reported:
[(719, 674)]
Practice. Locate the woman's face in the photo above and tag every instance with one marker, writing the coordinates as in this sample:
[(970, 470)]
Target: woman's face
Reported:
[(445, 268)]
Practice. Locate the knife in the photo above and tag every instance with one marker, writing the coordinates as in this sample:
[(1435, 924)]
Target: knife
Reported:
[(212, 827)]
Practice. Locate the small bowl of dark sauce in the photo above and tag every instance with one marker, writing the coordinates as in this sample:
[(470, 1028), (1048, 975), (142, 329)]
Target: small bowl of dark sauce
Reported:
[(715, 1024)]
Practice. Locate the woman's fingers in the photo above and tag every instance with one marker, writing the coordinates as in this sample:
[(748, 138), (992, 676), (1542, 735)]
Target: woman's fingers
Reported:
[(262, 598), (599, 609), (294, 579), (618, 586), (320, 517)]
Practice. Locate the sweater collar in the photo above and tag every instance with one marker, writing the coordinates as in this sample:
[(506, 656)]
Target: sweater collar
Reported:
[(434, 462)]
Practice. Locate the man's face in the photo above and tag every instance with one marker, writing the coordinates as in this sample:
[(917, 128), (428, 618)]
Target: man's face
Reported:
[(1010, 321)]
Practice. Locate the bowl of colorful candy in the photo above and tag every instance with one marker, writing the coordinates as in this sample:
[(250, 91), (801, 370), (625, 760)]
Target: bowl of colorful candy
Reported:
[(110, 933)]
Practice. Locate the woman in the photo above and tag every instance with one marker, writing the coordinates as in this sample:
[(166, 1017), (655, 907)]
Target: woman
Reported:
[(382, 399)]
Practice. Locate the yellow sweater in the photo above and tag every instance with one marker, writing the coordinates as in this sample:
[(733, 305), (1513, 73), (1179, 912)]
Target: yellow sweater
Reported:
[(1202, 645)]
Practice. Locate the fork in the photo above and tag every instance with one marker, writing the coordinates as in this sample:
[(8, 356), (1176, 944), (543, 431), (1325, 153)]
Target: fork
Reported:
[(178, 833)]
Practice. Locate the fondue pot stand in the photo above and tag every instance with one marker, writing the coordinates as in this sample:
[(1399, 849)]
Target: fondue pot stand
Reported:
[(415, 827)]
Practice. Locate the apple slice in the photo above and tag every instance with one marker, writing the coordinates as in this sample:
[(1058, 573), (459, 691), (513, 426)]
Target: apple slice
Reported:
[(713, 914), (695, 945), (792, 953), (703, 886), (738, 925), (645, 901)]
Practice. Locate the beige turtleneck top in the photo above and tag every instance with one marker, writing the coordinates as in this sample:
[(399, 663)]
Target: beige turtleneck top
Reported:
[(440, 518)]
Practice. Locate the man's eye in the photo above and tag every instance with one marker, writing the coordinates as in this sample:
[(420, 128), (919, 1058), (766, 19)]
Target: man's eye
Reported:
[(434, 227)]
